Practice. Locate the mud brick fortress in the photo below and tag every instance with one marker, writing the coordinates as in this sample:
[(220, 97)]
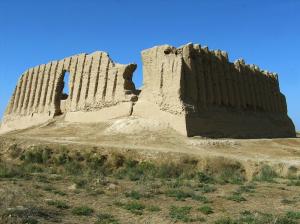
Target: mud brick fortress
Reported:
[(194, 90)]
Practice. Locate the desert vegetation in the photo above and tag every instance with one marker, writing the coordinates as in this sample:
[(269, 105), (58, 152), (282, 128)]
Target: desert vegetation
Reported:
[(41, 184)]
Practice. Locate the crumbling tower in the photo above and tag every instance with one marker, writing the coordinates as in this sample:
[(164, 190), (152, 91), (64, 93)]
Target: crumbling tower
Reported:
[(195, 90), (95, 83), (199, 92)]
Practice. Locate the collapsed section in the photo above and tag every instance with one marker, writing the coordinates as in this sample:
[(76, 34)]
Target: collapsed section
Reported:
[(95, 82), (199, 92), (193, 89)]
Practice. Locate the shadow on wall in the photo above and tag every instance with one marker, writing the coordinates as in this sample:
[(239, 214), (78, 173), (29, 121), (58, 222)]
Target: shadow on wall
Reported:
[(62, 93), (222, 123), (60, 97), (195, 90)]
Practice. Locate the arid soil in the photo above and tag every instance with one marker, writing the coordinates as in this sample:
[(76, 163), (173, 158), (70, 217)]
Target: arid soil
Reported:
[(132, 172), (149, 139)]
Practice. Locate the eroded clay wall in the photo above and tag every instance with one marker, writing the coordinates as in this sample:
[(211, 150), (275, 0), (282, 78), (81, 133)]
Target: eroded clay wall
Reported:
[(195, 90), (95, 82), (203, 79), (211, 80), (162, 69), (200, 92)]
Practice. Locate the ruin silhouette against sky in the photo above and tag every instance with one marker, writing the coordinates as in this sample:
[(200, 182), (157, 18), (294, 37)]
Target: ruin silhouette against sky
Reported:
[(266, 34)]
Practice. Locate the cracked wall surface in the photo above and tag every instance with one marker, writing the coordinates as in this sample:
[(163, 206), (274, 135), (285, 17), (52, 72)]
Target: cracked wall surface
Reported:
[(195, 90)]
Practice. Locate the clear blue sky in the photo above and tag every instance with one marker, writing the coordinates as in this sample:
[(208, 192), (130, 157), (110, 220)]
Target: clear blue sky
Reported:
[(266, 33)]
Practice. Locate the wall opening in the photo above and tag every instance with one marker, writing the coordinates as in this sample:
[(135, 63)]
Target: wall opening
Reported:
[(62, 93), (65, 93)]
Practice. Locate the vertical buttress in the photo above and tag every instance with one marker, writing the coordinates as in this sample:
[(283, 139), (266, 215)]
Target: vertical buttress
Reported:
[(23, 91), (94, 77), (33, 91), (51, 85), (101, 83), (85, 81), (78, 82), (207, 69), (18, 93), (215, 80), (45, 87), (200, 79), (27, 92), (73, 74)]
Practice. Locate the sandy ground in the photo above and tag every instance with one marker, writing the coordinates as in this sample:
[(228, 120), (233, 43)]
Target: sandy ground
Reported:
[(147, 139), (150, 138)]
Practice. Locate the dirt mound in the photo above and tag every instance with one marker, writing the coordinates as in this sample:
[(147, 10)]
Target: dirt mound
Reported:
[(133, 125)]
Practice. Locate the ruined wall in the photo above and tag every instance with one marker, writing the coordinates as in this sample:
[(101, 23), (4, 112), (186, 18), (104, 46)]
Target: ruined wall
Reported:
[(95, 82), (195, 90), (217, 98), (211, 80), (162, 76)]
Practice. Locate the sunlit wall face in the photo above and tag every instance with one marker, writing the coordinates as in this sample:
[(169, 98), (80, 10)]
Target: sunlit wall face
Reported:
[(262, 32)]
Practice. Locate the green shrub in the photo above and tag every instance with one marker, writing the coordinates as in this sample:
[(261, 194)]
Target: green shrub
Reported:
[(134, 207), (42, 179), (293, 215), (230, 174), (118, 160), (48, 188), (201, 198), (287, 201), (169, 170), (10, 171), (206, 188), (175, 183), (255, 218), (82, 211), (226, 220), (180, 213), (285, 220), (204, 178), (62, 158), (34, 156), (80, 182), (46, 154), (136, 171), (51, 189), (248, 188), (248, 217), (179, 194), (97, 163), (29, 215), (266, 174), (37, 154), (32, 168), (133, 194), (58, 192), (58, 204), (14, 151), (104, 218), (294, 183), (153, 208), (206, 210), (292, 172), (30, 220), (73, 168), (236, 196)]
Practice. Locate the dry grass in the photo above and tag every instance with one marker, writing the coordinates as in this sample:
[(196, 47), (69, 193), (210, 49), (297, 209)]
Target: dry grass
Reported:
[(88, 186)]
